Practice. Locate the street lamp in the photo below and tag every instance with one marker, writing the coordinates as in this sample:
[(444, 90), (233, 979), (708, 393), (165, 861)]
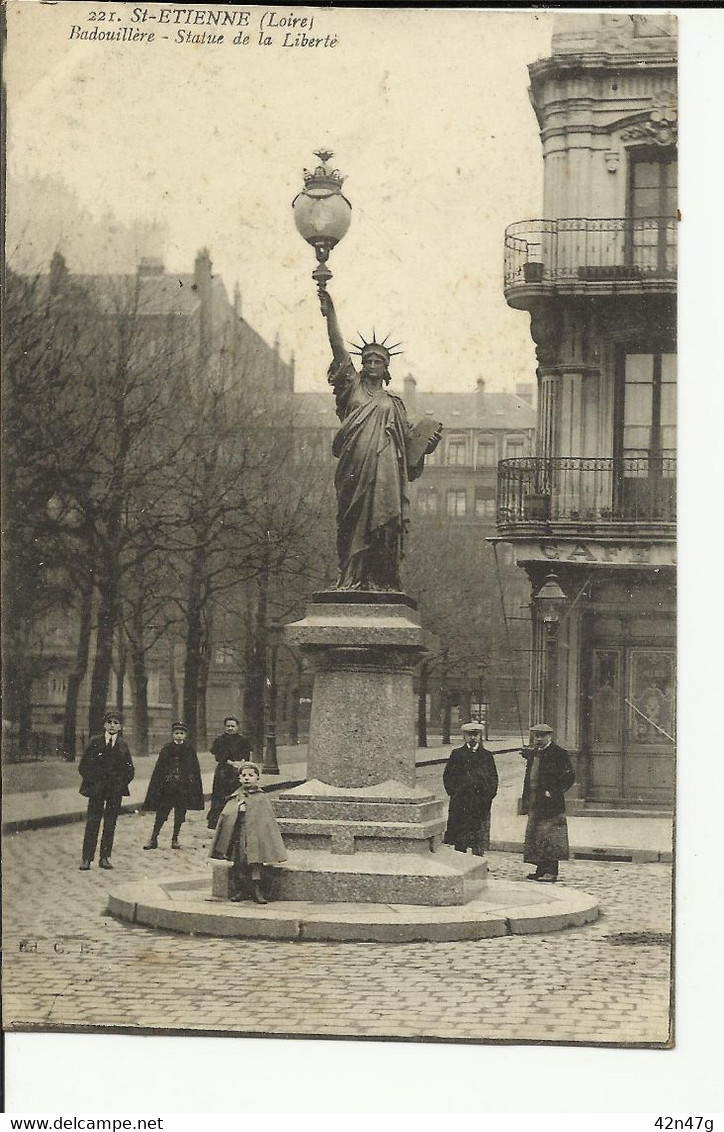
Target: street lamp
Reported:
[(482, 714), (550, 599), (322, 213), (273, 636)]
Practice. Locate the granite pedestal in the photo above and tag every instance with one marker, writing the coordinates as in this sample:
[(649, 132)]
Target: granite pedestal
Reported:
[(360, 830)]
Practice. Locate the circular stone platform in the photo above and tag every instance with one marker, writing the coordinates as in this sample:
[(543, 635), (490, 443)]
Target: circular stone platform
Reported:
[(503, 908)]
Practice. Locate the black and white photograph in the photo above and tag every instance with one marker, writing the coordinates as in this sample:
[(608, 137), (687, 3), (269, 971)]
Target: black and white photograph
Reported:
[(339, 523)]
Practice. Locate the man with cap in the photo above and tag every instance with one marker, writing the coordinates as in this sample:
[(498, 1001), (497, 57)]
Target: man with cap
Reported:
[(106, 768), (471, 779), (175, 785), (548, 774)]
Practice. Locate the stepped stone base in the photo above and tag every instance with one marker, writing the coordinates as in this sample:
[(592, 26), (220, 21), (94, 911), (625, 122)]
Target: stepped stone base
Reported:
[(442, 878), (390, 817), (503, 908)]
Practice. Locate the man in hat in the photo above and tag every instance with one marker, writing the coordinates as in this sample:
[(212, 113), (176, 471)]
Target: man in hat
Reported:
[(106, 768), (175, 785), (548, 774), (471, 779)]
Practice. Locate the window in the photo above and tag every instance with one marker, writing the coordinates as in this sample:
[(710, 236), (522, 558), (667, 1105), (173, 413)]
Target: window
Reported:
[(646, 437), (484, 508), (427, 501), (486, 453), (514, 448), (652, 208), (649, 406), (58, 686), (484, 503), (456, 450), (457, 503)]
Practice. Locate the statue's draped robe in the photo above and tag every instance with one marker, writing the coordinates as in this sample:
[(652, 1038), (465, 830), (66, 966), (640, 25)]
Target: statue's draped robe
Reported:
[(371, 481)]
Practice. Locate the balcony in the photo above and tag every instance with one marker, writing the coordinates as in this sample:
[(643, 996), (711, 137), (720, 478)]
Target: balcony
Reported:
[(593, 256), (591, 497)]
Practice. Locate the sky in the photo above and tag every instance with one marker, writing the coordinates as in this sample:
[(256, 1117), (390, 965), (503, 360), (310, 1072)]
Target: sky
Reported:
[(427, 113)]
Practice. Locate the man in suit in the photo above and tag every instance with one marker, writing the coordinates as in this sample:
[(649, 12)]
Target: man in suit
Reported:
[(106, 768), (471, 779), (548, 774)]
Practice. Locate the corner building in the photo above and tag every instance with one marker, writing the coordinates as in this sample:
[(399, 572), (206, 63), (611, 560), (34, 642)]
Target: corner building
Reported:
[(596, 505)]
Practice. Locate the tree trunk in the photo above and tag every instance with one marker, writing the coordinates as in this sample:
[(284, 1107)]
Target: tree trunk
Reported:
[(105, 632), (121, 674), (254, 715), (202, 734), (173, 685), (77, 675), (422, 705), (446, 719), (194, 632), (294, 706), (139, 681)]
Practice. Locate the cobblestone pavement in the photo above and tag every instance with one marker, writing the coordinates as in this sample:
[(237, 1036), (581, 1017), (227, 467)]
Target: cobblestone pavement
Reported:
[(68, 964)]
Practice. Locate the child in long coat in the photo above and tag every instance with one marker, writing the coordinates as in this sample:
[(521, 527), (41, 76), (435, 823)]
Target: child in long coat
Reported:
[(175, 785), (247, 834)]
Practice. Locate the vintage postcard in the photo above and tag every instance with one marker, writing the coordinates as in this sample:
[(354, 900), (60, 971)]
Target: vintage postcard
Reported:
[(340, 522)]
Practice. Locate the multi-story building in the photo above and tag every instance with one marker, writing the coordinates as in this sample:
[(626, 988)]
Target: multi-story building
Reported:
[(595, 506)]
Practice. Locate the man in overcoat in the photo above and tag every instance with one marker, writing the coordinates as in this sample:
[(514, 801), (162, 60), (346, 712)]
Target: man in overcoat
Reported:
[(470, 778), (175, 785), (106, 769), (548, 774)]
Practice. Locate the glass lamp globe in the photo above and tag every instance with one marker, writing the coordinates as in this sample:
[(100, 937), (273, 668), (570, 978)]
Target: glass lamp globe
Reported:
[(322, 213)]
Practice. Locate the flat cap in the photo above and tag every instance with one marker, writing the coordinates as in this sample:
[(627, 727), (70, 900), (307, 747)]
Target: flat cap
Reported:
[(542, 729), (473, 727), (112, 715)]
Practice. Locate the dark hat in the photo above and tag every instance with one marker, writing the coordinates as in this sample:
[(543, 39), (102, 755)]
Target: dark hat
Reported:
[(112, 715), (542, 729), (179, 726)]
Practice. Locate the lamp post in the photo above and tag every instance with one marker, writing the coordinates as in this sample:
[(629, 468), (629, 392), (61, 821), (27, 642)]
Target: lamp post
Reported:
[(322, 213), (550, 599), (482, 714), (270, 764)]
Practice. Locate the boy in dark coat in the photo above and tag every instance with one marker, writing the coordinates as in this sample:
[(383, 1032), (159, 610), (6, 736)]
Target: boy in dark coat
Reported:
[(471, 779), (175, 785), (106, 768), (548, 774), (227, 748), (248, 835)]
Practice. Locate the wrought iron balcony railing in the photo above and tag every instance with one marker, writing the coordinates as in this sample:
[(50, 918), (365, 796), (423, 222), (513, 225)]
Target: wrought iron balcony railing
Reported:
[(580, 490), (579, 250)]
